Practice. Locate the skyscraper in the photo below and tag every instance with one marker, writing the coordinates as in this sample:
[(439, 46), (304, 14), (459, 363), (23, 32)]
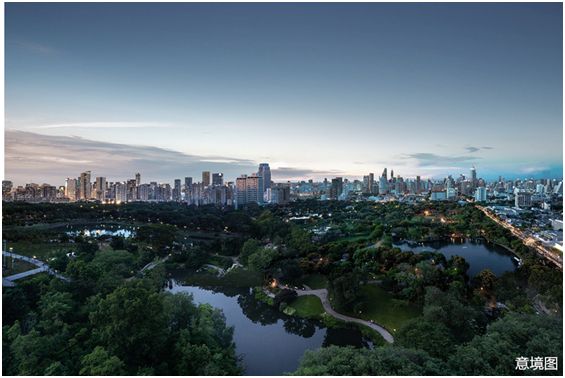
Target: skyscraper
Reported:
[(481, 194), (85, 186), (337, 188), (206, 178), (247, 189), (383, 184), (177, 191), (71, 189), (100, 194), (137, 179), (265, 172), (217, 179), (473, 177)]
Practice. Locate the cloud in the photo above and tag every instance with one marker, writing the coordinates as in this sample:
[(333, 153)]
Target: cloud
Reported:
[(32, 157), (426, 159), (104, 125), (37, 48), (472, 149), (534, 169), (290, 173)]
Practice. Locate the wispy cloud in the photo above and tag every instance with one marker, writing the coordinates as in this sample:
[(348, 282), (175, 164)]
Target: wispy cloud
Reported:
[(472, 149), (34, 47), (426, 159), (105, 125), (290, 173), (46, 158)]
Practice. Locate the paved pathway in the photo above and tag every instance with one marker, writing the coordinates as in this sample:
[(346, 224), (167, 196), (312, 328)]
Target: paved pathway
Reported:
[(41, 267), (323, 295)]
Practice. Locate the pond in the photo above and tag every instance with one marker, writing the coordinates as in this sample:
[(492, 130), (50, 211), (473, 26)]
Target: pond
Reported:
[(478, 255), (269, 342), (100, 231)]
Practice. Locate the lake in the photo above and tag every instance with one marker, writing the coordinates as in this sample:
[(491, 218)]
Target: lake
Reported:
[(97, 232), (269, 342), (478, 255)]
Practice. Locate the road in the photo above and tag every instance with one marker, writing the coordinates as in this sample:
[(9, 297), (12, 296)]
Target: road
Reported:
[(323, 295), (526, 239)]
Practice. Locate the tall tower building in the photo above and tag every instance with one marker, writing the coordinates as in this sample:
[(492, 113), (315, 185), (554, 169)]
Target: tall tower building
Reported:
[(71, 189), (473, 177), (337, 188), (137, 179), (217, 179), (100, 194), (206, 178), (85, 186), (177, 191), (265, 172)]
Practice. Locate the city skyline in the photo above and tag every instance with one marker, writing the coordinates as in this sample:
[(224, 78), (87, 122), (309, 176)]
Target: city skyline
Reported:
[(175, 89)]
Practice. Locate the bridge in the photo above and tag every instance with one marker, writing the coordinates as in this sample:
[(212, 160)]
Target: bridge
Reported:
[(41, 267)]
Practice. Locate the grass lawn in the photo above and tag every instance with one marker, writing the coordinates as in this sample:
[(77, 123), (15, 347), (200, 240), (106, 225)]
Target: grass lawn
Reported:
[(308, 306), (41, 250), (384, 309), (16, 266), (316, 281), (238, 277)]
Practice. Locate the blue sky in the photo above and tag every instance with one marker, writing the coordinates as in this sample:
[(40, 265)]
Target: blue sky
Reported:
[(315, 89)]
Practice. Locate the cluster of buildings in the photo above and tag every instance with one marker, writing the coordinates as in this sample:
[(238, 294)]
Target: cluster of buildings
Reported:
[(259, 188), (254, 188)]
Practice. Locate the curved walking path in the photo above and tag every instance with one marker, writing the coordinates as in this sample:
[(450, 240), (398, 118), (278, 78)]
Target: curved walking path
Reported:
[(41, 267), (323, 295)]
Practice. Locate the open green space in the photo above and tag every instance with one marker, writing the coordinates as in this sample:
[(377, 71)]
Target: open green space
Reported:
[(381, 307), (315, 281), (307, 306), (39, 250), (238, 277), (14, 266)]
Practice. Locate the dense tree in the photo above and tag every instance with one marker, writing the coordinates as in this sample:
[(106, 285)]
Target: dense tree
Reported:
[(335, 360), (100, 362), (513, 336)]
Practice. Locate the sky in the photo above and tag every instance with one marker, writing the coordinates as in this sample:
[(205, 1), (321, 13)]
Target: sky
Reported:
[(316, 90)]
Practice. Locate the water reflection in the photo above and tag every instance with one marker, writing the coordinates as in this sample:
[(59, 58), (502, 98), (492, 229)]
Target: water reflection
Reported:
[(479, 255), (95, 233), (269, 342)]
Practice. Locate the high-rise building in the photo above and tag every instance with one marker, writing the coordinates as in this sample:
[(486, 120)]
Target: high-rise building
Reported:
[(383, 184), (120, 192), (280, 194), (523, 199), (247, 189), (71, 189), (481, 194), (206, 178), (143, 191), (337, 188), (131, 190), (368, 183), (418, 185), (177, 191), (473, 177), (85, 186), (265, 172), (137, 179), (100, 194), (6, 188), (217, 179)]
